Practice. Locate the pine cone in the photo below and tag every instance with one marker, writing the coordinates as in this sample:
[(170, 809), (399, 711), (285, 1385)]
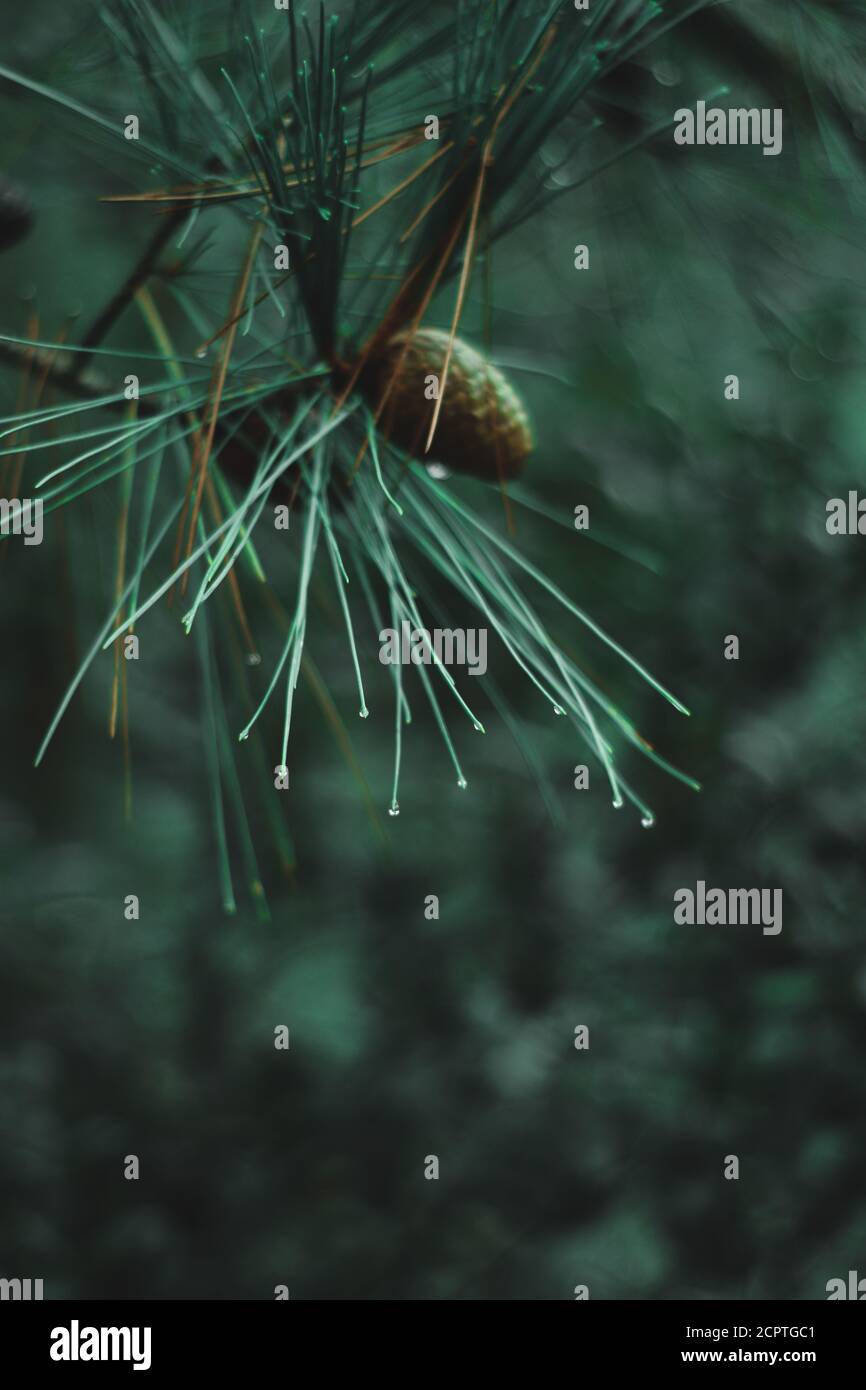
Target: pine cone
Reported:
[(482, 429)]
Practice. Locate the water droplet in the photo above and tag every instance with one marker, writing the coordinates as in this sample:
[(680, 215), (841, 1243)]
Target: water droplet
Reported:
[(462, 783), (244, 735), (438, 471), (364, 713), (201, 352), (557, 709), (479, 728), (394, 809), (253, 658), (553, 151), (667, 74), (647, 821), (617, 802)]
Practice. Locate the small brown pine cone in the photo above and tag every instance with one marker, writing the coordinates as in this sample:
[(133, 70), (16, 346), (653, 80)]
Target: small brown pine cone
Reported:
[(482, 429)]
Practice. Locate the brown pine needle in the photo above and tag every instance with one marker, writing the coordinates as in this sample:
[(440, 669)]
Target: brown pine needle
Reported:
[(395, 317), (205, 437), (372, 346), (154, 320), (245, 309), (115, 689), (486, 160), (385, 329), (461, 290), (362, 217), (403, 184), (428, 207), (247, 184)]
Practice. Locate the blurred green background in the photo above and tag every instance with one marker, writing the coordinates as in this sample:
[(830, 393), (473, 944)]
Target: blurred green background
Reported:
[(454, 1037)]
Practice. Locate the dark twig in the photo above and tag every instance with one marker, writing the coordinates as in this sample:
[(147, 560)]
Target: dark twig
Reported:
[(140, 273)]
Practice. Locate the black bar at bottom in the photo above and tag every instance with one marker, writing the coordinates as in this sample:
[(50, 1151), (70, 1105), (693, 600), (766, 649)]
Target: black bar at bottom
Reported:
[(163, 1339)]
